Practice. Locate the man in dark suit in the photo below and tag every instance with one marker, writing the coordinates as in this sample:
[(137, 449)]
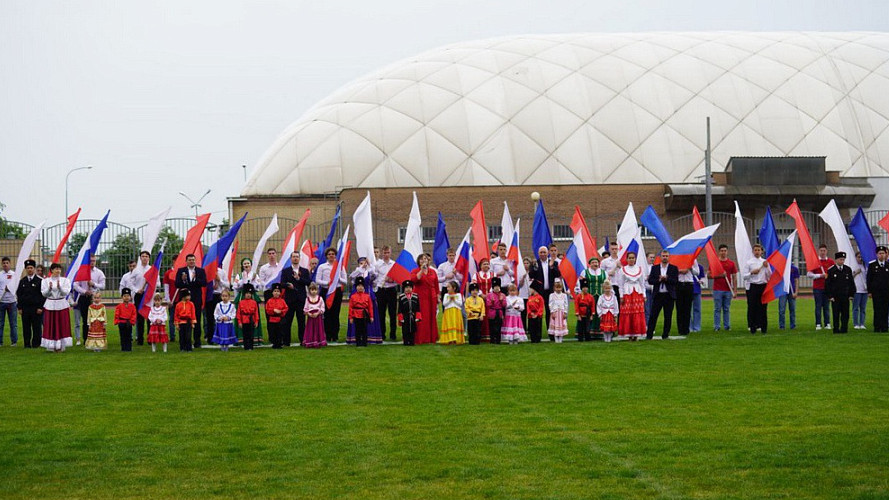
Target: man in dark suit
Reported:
[(878, 288), (30, 304), (194, 279), (543, 274), (840, 287), (295, 281), (663, 279)]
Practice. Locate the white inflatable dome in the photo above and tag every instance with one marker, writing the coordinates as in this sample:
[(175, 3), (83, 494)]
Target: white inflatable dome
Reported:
[(592, 109)]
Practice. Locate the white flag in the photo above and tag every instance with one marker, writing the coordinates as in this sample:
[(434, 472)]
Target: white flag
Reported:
[(742, 242), (364, 231), (24, 253), (413, 237), (831, 215), (155, 224), (506, 226), (257, 254), (627, 233)]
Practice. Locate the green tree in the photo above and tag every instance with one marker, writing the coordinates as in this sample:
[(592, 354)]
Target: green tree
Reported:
[(173, 245), (8, 230), (75, 241), (124, 248)]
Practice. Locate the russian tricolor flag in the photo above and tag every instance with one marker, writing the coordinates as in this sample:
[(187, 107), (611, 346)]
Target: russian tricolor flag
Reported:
[(342, 258), (151, 275), (685, 250), (306, 253), (628, 235), (779, 283), (465, 264), (79, 269), (406, 263), (215, 257), (574, 262)]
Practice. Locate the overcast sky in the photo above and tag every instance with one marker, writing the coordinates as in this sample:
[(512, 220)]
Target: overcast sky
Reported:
[(168, 96)]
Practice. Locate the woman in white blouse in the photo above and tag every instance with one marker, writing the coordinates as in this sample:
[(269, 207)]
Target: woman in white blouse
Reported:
[(56, 319)]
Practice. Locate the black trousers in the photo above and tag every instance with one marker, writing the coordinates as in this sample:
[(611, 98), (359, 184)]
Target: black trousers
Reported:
[(494, 326), (332, 315), (881, 311), (387, 302), (196, 330), (661, 301), (140, 320), (535, 328), (294, 310), (32, 327), (185, 336), (583, 329), (685, 294), (474, 330), (408, 331), (126, 336), (275, 331), (247, 330), (360, 331), (210, 318), (83, 305), (840, 309), (757, 312)]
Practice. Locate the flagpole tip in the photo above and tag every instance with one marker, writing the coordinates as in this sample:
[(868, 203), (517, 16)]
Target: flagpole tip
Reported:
[(535, 196)]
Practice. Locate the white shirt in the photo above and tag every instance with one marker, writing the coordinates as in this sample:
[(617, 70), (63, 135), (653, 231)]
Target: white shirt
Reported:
[(545, 269), (688, 276), (499, 265), (239, 281), (322, 278), (558, 302), (267, 273), (611, 266), (760, 278), (98, 279), (607, 304), (221, 284), (55, 298), (444, 270), (156, 314), (632, 279), (8, 296), (224, 310), (515, 305), (382, 270), (452, 301), (861, 279), (127, 281)]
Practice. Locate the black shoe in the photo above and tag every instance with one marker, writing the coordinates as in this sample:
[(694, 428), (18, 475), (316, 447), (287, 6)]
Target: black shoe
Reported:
[(664, 337), (649, 336)]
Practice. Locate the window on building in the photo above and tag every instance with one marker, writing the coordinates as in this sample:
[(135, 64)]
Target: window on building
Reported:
[(428, 234)]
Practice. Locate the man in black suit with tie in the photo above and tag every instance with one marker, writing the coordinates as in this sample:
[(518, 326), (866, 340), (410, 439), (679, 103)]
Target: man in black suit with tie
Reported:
[(878, 288), (194, 279), (295, 281), (663, 279), (543, 275)]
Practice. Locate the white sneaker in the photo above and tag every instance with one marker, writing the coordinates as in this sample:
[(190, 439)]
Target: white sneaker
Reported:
[(817, 327), (78, 343), (828, 326)]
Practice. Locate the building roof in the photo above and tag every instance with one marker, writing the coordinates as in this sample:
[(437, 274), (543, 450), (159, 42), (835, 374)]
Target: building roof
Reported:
[(590, 109)]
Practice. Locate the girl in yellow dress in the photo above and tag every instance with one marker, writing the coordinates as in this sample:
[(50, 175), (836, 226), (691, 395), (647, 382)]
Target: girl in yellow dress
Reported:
[(96, 339), (452, 321)]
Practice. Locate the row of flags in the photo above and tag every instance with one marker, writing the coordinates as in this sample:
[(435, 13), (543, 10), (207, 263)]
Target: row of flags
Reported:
[(221, 253)]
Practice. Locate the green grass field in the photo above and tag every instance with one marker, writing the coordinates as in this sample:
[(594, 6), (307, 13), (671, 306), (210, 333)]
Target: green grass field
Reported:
[(799, 414)]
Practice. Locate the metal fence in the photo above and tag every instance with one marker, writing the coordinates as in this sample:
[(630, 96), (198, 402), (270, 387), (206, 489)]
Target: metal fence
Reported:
[(121, 243)]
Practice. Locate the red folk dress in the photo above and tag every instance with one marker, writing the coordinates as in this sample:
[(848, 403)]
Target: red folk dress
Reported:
[(426, 288)]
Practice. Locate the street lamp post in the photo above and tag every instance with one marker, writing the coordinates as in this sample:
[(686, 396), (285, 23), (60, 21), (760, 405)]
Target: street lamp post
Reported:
[(88, 167), (195, 204)]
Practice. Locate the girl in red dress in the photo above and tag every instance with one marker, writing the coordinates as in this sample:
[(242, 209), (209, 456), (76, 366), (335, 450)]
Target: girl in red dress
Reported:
[(483, 280), (426, 287)]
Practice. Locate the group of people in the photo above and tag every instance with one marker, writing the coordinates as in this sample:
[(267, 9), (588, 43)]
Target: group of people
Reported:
[(496, 305)]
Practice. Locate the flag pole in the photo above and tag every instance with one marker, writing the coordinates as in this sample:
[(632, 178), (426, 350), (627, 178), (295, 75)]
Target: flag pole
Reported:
[(708, 179)]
